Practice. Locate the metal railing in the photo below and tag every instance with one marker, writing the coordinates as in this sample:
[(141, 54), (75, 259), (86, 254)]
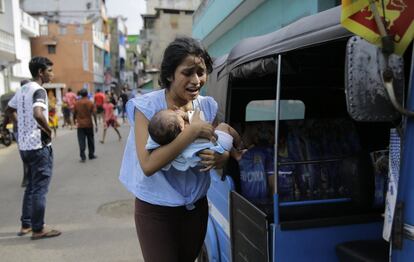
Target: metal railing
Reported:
[(99, 39), (6, 42), (28, 24)]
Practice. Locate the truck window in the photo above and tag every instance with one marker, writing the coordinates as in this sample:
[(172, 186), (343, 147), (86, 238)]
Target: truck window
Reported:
[(264, 110)]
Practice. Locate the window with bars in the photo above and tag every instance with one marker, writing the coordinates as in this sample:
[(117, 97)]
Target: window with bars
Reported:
[(51, 49)]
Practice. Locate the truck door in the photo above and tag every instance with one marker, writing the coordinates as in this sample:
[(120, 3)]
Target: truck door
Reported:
[(248, 230)]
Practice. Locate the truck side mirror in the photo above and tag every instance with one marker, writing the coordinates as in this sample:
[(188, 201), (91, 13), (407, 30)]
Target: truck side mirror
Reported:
[(366, 96)]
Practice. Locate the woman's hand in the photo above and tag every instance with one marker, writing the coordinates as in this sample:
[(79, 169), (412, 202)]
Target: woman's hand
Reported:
[(202, 128), (211, 159), (181, 114)]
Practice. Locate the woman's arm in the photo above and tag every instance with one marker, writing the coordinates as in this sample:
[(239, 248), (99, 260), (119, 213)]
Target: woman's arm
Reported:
[(211, 159), (237, 141), (153, 161)]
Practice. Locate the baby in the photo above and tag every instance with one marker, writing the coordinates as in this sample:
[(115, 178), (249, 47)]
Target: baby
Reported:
[(167, 124)]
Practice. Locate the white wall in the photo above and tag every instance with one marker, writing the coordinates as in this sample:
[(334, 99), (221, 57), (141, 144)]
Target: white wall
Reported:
[(14, 84), (122, 52), (16, 28), (2, 84), (10, 23), (22, 69), (71, 8), (121, 25), (6, 18)]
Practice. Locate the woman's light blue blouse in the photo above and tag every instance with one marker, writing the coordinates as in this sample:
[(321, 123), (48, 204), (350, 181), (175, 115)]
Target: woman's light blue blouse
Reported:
[(165, 188)]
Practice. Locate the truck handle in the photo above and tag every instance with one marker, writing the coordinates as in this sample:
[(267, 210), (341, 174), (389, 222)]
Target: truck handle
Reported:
[(387, 49), (387, 78)]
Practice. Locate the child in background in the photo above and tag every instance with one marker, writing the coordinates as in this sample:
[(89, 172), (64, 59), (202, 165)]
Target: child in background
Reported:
[(99, 100), (66, 115), (256, 163), (287, 188), (53, 117), (109, 119)]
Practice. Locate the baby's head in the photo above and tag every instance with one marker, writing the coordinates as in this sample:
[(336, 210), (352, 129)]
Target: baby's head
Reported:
[(165, 126)]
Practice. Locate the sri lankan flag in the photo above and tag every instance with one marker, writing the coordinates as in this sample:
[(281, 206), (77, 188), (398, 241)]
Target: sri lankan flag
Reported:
[(358, 18)]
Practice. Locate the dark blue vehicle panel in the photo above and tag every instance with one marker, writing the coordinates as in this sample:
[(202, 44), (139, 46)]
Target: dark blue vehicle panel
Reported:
[(318, 244)]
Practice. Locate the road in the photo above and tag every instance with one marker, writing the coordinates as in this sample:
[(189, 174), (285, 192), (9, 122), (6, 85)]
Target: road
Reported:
[(86, 202)]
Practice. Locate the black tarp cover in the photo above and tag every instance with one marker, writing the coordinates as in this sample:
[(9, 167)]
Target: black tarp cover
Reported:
[(311, 30)]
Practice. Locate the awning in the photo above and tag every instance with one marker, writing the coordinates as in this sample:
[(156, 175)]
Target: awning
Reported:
[(54, 85), (50, 43)]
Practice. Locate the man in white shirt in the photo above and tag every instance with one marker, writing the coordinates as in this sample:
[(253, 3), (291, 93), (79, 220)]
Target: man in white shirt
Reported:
[(30, 106)]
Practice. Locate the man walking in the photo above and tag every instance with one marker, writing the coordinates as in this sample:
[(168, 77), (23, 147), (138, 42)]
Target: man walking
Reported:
[(31, 105), (124, 99), (70, 99), (83, 112), (99, 99)]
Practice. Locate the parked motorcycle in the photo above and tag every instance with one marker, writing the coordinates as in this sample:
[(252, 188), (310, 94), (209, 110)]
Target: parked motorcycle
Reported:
[(6, 137)]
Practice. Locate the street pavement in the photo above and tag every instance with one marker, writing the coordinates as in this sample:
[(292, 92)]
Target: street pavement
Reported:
[(86, 202)]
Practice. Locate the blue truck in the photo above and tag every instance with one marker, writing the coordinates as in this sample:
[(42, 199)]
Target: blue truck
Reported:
[(318, 87)]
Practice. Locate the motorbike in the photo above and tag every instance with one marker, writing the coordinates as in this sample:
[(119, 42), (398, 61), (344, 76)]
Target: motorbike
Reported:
[(6, 137)]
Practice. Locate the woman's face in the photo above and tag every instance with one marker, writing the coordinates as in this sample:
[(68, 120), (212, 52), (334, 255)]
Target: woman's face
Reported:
[(188, 79)]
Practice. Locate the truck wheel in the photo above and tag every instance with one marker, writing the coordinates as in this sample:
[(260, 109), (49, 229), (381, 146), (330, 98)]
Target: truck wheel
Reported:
[(203, 256)]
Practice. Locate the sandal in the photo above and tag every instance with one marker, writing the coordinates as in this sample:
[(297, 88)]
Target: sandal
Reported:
[(48, 234), (23, 231)]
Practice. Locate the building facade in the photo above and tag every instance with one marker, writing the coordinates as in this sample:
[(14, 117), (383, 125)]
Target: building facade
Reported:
[(164, 21), (29, 27), (221, 24), (134, 64), (66, 12), (16, 29), (75, 35), (71, 49), (119, 35)]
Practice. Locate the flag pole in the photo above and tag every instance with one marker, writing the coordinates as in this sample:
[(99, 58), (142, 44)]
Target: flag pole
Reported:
[(387, 41)]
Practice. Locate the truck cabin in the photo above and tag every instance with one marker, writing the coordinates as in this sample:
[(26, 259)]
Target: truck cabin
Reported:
[(330, 169)]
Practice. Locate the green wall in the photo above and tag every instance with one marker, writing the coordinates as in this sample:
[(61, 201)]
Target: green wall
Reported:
[(266, 18), (215, 12)]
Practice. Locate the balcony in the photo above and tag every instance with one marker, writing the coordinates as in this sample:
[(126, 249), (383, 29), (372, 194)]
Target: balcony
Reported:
[(98, 78), (104, 13), (7, 49), (28, 24), (99, 39), (107, 45), (98, 75)]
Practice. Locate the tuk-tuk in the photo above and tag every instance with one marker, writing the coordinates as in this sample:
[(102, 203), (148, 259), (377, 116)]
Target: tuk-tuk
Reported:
[(327, 202)]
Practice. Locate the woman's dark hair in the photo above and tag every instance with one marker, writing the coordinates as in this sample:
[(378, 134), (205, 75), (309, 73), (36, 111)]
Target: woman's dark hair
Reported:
[(176, 52), (38, 62)]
